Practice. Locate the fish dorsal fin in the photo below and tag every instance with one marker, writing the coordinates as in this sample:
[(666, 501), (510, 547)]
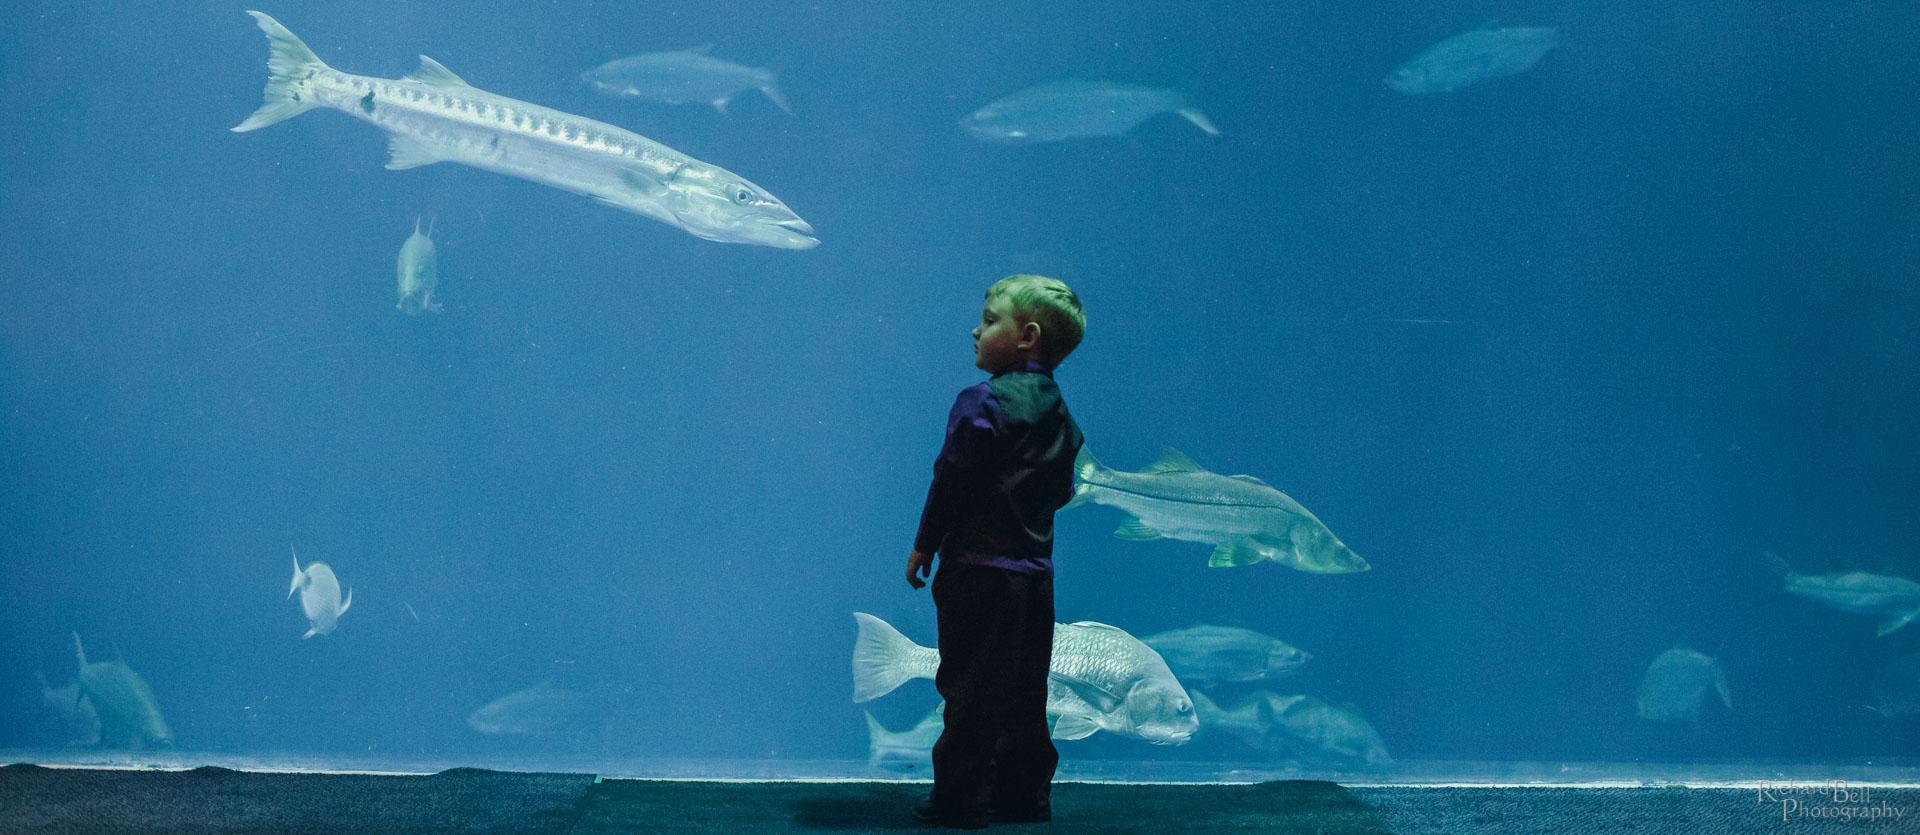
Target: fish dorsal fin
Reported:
[(431, 72), (1249, 479), (1173, 461)]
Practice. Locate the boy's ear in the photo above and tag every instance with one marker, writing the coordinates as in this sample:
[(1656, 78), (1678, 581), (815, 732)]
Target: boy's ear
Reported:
[(1030, 335)]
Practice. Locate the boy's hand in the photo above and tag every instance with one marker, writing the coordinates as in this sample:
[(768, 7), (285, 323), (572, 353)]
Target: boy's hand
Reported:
[(918, 564)]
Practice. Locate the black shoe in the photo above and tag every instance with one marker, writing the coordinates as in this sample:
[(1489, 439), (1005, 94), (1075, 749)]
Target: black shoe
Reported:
[(931, 815), (1037, 814)]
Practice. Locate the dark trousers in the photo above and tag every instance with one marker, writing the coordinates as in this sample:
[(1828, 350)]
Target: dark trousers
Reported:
[(996, 640)]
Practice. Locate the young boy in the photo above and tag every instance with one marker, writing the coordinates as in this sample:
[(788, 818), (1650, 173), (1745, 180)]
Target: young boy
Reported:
[(1007, 465)]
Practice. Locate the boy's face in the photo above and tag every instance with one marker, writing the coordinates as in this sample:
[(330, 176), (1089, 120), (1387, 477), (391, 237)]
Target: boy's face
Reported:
[(1002, 341)]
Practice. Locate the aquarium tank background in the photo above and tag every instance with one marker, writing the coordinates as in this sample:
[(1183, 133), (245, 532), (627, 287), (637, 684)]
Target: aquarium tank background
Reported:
[(1589, 359)]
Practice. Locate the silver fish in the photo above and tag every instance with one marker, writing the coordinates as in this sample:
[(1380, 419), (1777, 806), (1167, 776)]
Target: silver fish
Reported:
[(1676, 684), (535, 711), (1246, 520), (1305, 726), (1076, 108), (129, 715), (688, 75), (435, 116), (1895, 599), (418, 272), (74, 709), (1209, 654), (319, 596), (906, 750), (1474, 57), (1100, 679)]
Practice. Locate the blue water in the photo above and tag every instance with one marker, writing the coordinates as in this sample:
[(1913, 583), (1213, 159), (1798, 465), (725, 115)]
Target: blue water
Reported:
[(1562, 355)]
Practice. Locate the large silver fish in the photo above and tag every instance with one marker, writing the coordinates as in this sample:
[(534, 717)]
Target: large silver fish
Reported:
[(1246, 520), (1304, 726), (1894, 599), (1474, 57), (1075, 108), (319, 596), (1677, 683), (535, 711), (419, 272), (124, 703), (688, 75), (1100, 679), (1209, 653), (435, 116)]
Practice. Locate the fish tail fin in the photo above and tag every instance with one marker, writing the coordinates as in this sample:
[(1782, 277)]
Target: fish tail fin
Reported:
[(1086, 468), (882, 658), (1893, 623), (298, 575), (345, 604), (1199, 120), (772, 91), (1204, 709), (289, 66)]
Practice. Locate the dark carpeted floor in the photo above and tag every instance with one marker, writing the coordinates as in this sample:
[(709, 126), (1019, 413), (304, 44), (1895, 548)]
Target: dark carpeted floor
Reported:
[(211, 800)]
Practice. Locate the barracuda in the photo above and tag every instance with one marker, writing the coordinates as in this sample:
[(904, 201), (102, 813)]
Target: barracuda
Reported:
[(435, 116)]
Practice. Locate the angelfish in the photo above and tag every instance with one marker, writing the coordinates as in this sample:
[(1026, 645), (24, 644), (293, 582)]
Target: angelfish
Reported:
[(418, 273), (319, 596)]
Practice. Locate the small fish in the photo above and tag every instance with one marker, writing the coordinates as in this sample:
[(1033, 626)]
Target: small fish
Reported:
[(1474, 57), (535, 711), (128, 713), (1896, 689), (1076, 108), (418, 274), (907, 750), (435, 116), (1305, 726), (319, 596), (689, 75), (1208, 654), (1100, 679), (74, 709), (1245, 520), (1676, 684), (1894, 599)]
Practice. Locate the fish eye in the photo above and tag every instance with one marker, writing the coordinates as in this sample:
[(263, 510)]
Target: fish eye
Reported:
[(1186, 706), (741, 195)]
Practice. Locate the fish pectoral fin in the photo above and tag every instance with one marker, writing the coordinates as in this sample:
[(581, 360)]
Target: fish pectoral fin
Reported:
[(1230, 556), (344, 605), (1102, 699), (1173, 461), (644, 182), (310, 633), (432, 72), (1891, 624), (721, 105), (1133, 530), (405, 153), (1073, 727)]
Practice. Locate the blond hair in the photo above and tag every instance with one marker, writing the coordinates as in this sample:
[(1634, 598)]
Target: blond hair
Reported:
[(1051, 304)]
